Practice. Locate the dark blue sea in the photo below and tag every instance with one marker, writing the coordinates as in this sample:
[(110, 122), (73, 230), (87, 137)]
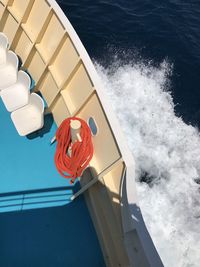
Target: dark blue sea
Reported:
[(157, 30), (147, 54)]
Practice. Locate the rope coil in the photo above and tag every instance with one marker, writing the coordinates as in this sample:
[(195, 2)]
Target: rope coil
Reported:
[(72, 166)]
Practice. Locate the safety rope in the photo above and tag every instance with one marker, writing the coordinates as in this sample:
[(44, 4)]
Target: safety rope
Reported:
[(72, 166)]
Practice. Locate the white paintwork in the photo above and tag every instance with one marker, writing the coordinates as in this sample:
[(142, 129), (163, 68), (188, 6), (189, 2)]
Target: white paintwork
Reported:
[(3, 48), (29, 118), (126, 154), (8, 72), (18, 94)]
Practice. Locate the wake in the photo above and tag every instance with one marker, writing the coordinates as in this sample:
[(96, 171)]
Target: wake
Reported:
[(167, 155)]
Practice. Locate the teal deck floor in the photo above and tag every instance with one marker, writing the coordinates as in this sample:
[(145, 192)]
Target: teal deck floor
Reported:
[(27, 166), (39, 226), (26, 163)]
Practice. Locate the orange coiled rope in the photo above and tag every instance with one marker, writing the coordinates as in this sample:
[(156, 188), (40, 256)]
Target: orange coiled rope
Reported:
[(81, 152)]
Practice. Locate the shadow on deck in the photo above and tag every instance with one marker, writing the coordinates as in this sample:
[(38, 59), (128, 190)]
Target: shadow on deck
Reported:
[(56, 236), (37, 198)]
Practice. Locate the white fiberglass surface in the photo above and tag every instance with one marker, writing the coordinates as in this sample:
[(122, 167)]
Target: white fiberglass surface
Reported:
[(7, 76), (27, 119), (2, 56), (15, 97), (167, 154)]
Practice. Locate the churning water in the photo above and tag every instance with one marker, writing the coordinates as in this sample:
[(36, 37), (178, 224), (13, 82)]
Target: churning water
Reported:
[(167, 155)]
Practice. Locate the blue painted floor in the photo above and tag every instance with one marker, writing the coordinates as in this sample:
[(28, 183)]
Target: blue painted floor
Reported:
[(39, 226), (27, 163), (27, 168)]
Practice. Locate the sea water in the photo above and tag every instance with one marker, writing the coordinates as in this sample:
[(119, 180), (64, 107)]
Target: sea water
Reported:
[(167, 155)]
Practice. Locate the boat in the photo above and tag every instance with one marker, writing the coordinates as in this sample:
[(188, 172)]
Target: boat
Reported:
[(61, 71)]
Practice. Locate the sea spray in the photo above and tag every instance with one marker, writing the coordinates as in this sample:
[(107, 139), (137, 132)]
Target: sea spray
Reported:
[(167, 155)]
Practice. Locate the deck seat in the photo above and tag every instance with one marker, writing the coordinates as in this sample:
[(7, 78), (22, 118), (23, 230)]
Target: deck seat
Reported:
[(3, 48), (29, 118), (8, 71), (17, 95)]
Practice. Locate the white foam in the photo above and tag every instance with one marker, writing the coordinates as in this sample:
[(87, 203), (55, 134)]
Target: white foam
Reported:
[(165, 148)]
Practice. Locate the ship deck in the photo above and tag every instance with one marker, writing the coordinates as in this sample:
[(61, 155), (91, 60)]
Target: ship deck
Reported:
[(39, 225)]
